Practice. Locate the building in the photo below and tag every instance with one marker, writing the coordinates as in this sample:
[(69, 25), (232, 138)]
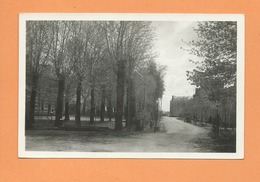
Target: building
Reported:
[(178, 105), (46, 91)]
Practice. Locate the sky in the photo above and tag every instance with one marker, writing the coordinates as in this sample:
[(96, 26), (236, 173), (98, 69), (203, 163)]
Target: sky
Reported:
[(168, 46)]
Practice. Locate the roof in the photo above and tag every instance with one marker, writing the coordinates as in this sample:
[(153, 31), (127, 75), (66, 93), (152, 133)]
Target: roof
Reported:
[(180, 98)]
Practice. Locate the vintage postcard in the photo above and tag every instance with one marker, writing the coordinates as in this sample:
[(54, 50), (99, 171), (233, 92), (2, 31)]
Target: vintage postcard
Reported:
[(131, 86)]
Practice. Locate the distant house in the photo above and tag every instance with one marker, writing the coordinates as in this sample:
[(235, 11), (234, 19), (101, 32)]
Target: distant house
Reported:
[(177, 106), (46, 91)]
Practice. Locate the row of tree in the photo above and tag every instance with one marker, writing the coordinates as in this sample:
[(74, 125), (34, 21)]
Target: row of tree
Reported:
[(215, 74), (111, 60)]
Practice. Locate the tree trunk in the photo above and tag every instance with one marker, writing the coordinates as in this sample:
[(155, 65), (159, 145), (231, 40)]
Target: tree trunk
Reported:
[(78, 103), (120, 95), (67, 115), (126, 110), (110, 110), (84, 106), (225, 118), (32, 109), (28, 124), (201, 118), (131, 107), (60, 98), (114, 112), (103, 99), (30, 120), (92, 106), (133, 112), (216, 124)]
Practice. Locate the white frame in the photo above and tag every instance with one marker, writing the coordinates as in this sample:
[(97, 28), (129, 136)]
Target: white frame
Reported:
[(22, 153)]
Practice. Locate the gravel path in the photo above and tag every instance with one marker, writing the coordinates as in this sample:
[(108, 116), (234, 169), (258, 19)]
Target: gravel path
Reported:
[(174, 136)]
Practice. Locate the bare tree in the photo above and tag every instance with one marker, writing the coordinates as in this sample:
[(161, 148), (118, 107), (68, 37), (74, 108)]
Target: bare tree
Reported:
[(63, 65), (121, 40), (88, 53), (38, 44), (140, 48), (79, 53), (69, 93)]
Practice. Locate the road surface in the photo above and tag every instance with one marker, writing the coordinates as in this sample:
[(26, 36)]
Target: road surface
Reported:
[(174, 136)]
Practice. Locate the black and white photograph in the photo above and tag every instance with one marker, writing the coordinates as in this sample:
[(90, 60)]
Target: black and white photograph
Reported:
[(131, 86)]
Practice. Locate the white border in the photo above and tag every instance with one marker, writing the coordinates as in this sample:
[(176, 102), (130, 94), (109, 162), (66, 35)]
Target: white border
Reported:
[(22, 153)]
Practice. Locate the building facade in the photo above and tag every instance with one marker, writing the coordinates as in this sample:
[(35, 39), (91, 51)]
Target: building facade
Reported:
[(178, 105), (46, 92)]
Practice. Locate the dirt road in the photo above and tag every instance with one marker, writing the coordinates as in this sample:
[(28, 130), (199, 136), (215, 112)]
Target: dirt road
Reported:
[(174, 136)]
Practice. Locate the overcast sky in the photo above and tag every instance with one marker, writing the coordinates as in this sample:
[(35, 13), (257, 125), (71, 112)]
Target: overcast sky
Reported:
[(169, 41)]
